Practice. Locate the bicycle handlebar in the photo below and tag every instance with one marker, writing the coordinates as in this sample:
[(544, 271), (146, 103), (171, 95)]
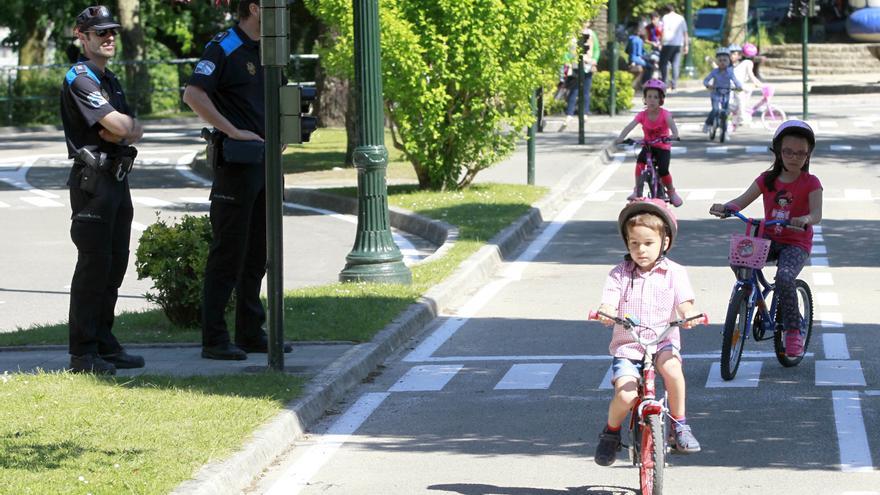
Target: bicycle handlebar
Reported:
[(642, 142), (755, 221), (630, 323)]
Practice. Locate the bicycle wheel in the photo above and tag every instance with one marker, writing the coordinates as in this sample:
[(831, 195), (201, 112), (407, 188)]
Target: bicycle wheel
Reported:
[(771, 117), (640, 185), (738, 314), (723, 127), (713, 129), (653, 456), (805, 308)]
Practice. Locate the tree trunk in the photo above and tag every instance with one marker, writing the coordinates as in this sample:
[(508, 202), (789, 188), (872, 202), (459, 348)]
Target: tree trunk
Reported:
[(33, 48), (332, 102), (134, 49), (735, 24)]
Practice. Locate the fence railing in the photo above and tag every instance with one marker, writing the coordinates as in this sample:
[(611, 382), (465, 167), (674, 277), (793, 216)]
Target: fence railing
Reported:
[(29, 93)]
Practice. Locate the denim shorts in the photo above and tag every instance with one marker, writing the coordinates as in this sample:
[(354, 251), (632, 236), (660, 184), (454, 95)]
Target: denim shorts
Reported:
[(633, 367)]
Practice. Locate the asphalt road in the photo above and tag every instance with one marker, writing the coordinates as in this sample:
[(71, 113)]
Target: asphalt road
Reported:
[(506, 394), (38, 257)]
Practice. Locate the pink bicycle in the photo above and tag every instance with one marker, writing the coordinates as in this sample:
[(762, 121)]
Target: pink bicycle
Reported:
[(771, 116)]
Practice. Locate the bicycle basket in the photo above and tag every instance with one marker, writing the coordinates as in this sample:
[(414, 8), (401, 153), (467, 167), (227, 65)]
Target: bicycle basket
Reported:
[(749, 251)]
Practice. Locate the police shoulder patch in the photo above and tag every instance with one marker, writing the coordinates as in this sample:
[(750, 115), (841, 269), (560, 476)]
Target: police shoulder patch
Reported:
[(80, 69), (205, 67)]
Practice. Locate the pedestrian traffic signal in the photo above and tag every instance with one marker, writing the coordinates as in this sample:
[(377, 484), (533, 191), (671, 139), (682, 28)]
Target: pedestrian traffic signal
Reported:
[(297, 123)]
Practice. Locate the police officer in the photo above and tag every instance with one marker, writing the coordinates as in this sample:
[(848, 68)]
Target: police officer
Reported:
[(226, 90), (99, 130)]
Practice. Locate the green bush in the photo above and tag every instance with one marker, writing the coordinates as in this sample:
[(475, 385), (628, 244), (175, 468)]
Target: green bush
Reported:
[(602, 87), (174, 257)]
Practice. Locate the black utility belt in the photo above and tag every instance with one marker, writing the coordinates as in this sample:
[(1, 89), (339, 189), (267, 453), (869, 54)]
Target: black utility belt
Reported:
[(118, 167)]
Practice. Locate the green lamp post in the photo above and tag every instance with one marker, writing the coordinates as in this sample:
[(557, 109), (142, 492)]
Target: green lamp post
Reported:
[(374, 257), (689, 69)]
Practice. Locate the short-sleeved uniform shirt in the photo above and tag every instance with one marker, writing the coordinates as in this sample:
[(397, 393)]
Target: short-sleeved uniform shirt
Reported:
[(230, 73), (87, 96), (655, 129), (652, 297), (786, 201)]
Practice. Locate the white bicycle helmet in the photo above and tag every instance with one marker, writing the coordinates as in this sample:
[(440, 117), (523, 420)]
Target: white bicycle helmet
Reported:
[(796, 128)]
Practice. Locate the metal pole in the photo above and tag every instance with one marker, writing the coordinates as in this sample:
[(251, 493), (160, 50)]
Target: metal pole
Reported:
[(533, 130), (374, 257), (580, 94), (540, 109), (612, 57), (689, 68), (804, 61)]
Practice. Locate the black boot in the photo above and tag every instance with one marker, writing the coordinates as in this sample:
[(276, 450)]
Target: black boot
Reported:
[(225, 352), (123, 360), (609, 445), (91, 363)]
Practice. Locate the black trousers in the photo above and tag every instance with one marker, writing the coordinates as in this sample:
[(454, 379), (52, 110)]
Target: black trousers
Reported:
[(101, 231), (237, 259)]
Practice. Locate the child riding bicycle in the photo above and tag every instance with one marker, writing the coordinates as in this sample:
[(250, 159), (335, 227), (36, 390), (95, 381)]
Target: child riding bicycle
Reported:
[(652, 288), (790, 193), (721, 78), (743, 69), (656, 123)]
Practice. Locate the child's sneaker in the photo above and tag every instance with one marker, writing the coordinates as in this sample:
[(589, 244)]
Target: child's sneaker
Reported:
[(684, 440), (705, 128), (794, 343), (674, 198), (609, 445)]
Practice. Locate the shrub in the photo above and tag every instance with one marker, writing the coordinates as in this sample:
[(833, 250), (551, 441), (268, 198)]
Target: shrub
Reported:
[(602, 87), (174, 257)]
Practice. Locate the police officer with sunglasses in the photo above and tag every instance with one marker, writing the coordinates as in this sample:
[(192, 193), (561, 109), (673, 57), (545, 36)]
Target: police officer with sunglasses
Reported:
[(99, 130)]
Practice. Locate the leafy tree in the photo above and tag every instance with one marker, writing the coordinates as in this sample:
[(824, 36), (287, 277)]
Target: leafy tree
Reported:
[(458, 74)]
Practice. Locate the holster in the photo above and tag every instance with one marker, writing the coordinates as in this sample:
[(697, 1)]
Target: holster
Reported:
[(118, 166), (243, 152)]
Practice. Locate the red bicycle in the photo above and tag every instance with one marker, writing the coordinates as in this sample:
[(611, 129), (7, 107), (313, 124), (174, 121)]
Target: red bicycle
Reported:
[(650, 177), (649, 417)]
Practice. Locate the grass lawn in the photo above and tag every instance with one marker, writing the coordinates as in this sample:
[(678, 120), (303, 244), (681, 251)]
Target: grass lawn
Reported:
[(62, 433)]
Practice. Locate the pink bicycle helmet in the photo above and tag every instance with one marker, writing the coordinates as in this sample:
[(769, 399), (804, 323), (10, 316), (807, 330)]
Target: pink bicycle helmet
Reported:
[(655, 84), (749, 50), (651, 205)]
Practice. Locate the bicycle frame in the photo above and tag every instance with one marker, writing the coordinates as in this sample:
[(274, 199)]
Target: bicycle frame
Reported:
[(649, 174), (754, 281)]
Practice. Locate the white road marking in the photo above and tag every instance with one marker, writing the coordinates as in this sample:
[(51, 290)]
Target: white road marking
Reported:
[(297, 476), (513, 271), (841, 147), (679, 150), (839, 373), (862, 123), (819, 261), (427, 378), (831, 320), (606, 380), (200, 200), (820, 249), (152, 202), (138, 226), (717, 150), (42, 202), (835, 346), (45, 194), (701, 195), (857, 194), (822, 278), (855, 453), (757, 149), (872, 392), (533, 376), (600, 196), (817, 229), (826, 298), (748, 375), (183, 168), (3, 205), (818, 237), (830, 123), (580, 357), (875, 147)]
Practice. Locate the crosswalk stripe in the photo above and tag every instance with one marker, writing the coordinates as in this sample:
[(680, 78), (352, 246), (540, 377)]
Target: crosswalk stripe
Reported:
[(818, 237), (426, 378), (855, 453), (831, 320), (841, 147), (875, 147), (857, 194), (835, 346), (819, 249), (41, 202), (826, 298), (717, 150), (4, 205), (747, 376), (606, 380), (201, 200), (839, 373), (701, 195), (818, 261), (152, 202), (822, 278), (756, 149), (531, 376)]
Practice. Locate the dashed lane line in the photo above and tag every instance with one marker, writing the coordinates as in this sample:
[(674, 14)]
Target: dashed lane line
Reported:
[(852, 439)]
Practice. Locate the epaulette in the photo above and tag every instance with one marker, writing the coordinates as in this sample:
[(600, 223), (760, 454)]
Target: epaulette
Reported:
[(78, 69), (219, 36), (228, 41)]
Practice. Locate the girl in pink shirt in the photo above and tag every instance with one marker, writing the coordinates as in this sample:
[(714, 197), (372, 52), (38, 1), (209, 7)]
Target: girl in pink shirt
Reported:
[(790, 193), (656, 290), (656, 123)]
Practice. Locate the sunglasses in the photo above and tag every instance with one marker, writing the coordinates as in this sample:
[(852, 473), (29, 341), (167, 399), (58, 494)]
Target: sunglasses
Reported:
[(788, 153), (103, 33)]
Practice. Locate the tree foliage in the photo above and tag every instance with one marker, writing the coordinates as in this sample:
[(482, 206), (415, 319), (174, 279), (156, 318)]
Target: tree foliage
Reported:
[(458, 74)]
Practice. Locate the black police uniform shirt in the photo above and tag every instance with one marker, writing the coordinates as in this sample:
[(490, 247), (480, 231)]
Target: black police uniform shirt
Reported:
[(230, 73), (87, 96)]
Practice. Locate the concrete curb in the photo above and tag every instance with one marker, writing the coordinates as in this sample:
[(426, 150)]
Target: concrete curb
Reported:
[(231, 475)]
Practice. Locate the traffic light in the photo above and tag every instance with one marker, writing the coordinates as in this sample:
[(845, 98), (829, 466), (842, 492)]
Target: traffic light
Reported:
[(297, 123)]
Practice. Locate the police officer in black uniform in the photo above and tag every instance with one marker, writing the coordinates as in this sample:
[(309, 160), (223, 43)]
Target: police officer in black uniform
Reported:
[(99, 130), (226, 90)]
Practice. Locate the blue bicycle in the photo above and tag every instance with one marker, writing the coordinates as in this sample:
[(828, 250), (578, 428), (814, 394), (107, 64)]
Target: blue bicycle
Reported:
[(719, 123), (747, 311)]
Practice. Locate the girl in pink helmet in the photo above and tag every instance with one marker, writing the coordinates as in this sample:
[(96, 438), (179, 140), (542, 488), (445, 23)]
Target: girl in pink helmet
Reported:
[(656, 122)]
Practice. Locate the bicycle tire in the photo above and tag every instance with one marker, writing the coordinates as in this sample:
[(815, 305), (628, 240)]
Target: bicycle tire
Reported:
[(805, 307), (653, 456), (640, 185), (723, 127), (733, 341), (713, 130), (771, 117)]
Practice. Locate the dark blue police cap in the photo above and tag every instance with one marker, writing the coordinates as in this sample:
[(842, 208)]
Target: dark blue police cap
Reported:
[(97, 17)]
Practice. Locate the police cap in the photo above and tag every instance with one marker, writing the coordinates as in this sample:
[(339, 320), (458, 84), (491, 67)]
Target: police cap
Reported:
[(96, 18)]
